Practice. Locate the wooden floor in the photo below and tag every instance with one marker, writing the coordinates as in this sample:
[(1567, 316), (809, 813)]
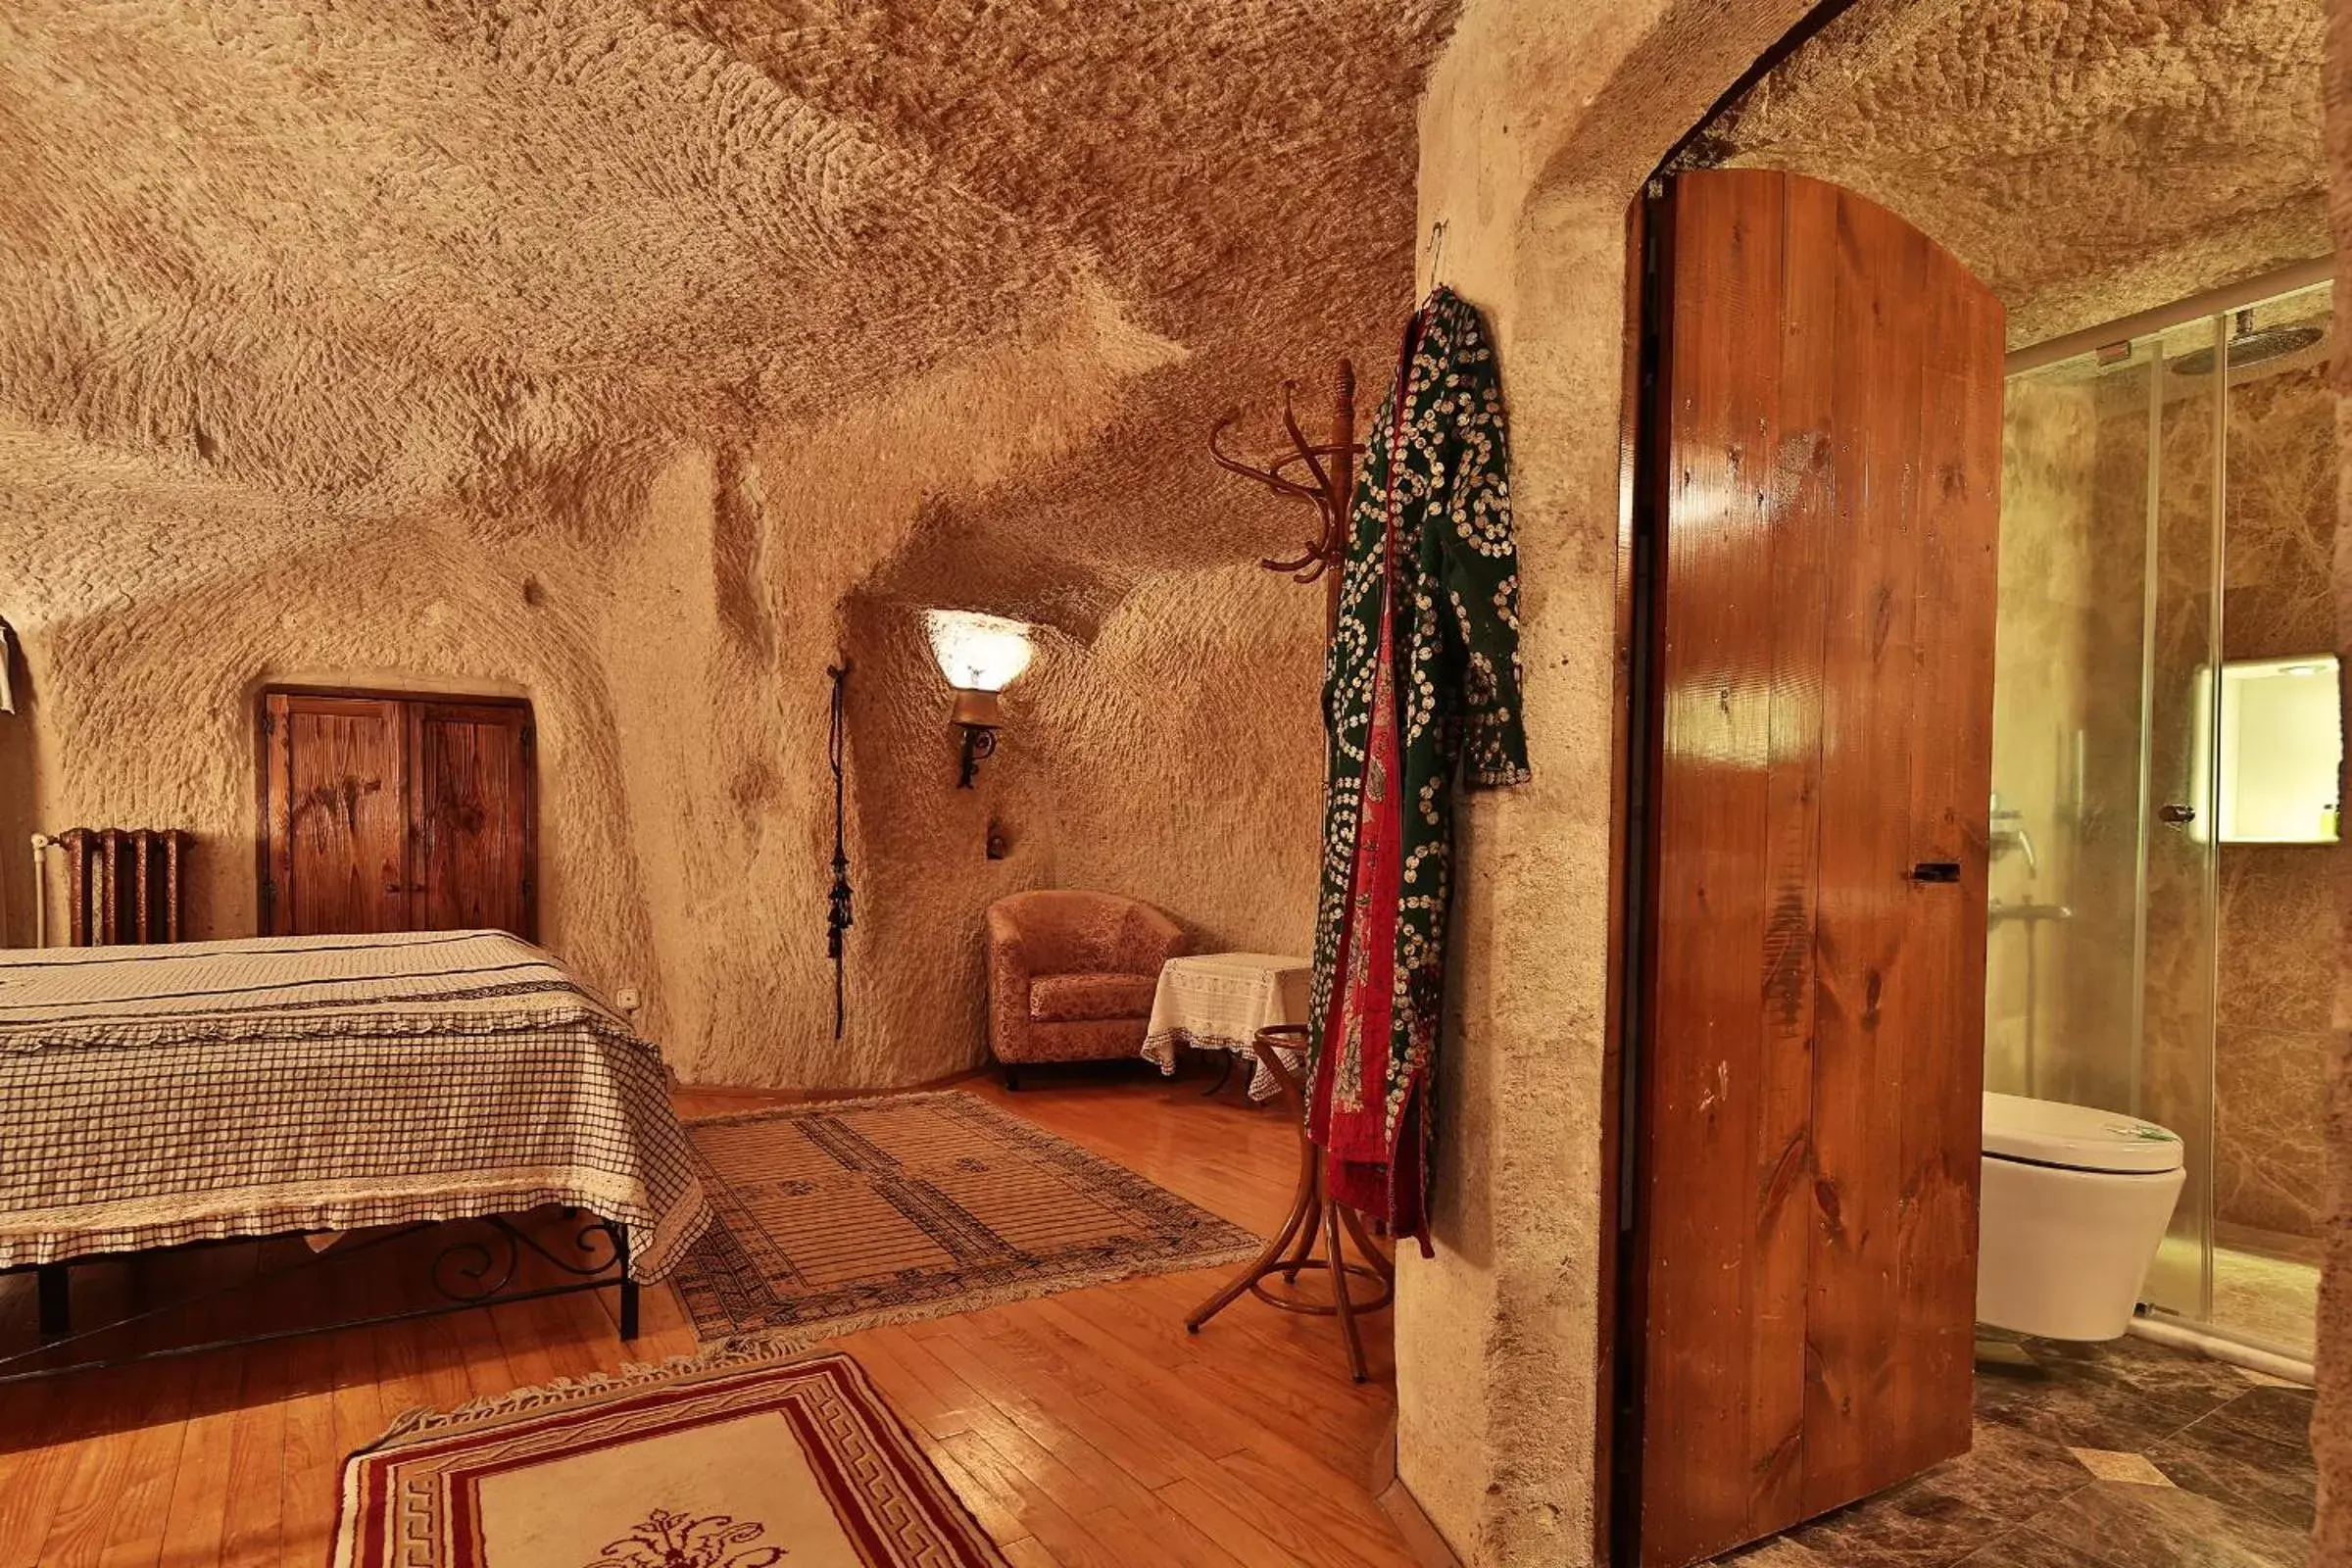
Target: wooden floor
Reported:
[(1081, 1429)]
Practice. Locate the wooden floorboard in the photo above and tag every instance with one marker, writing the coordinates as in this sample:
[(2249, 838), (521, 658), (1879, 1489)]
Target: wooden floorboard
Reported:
[(1082, 1428)]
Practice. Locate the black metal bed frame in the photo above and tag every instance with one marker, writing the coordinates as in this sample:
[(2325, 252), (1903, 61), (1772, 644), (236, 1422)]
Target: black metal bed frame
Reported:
[(467, 1273)]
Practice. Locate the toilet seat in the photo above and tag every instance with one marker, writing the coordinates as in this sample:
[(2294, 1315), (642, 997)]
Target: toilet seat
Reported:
[(2046, 1132)]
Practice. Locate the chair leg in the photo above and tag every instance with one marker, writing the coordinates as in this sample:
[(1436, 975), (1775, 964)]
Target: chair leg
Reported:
[(1012, 1078)]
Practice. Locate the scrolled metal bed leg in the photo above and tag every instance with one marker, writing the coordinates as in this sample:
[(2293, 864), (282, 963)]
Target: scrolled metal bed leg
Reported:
[(53, 1300), (629, 1285)]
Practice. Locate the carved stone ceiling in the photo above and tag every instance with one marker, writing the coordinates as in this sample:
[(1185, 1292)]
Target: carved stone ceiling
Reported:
[(267, 265), (2088, 158)]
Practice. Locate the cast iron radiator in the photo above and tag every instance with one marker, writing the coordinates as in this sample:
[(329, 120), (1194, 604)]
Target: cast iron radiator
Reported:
[(122, 884)]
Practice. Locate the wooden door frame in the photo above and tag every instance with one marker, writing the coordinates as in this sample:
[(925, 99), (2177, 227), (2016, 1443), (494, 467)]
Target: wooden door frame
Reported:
[(1616, 1448), (1635, 739), (265, 915)]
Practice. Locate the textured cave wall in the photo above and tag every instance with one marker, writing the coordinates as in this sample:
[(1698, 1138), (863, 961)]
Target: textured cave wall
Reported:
[(1195, 716), (1176, 758), (643, 360), (2332, 1423), (2180, 151)]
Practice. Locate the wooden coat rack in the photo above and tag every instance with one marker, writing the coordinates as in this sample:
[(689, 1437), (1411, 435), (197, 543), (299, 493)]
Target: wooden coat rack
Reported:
[(1323, 475)]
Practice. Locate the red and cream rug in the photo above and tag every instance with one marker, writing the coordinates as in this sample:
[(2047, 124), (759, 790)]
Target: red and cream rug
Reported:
[(794, 1463)]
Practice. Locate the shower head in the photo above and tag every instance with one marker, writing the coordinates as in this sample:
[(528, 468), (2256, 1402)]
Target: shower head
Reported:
[(2249, 346)]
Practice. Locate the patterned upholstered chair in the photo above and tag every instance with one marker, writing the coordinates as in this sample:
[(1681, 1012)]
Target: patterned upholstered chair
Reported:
[(1070, 976)]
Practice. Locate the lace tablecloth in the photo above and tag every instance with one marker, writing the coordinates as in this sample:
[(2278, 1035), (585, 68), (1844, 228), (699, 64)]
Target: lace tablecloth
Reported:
[(1220, 1000)]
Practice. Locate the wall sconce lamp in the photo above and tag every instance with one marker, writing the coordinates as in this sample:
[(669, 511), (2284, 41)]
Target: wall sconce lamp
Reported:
[(980, 656)]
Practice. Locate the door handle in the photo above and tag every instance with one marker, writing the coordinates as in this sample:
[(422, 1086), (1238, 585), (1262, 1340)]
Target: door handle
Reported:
[(1936, 871), (2176, 814)]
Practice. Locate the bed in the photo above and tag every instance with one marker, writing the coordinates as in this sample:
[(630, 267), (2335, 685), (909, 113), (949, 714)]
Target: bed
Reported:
[(152, 1097)]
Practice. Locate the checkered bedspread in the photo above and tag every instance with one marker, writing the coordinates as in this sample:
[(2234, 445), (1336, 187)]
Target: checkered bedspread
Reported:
[(151, 1096)]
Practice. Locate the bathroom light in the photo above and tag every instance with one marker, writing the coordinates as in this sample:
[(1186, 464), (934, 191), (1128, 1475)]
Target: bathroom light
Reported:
[(980, 656)]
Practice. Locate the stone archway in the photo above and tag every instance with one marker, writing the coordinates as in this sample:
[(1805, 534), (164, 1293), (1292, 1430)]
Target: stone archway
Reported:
[(1540, 125)]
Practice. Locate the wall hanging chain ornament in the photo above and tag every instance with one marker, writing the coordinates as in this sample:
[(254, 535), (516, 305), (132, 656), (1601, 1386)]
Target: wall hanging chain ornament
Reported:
[(837, 903)]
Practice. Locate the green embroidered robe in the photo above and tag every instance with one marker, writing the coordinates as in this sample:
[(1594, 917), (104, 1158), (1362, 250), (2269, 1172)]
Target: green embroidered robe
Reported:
[(1422, 678)]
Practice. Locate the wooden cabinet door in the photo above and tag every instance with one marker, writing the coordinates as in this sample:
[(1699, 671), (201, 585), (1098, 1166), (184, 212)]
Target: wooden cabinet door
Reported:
[(335, 816), (391, 813), (470, 777), (1823, 473)]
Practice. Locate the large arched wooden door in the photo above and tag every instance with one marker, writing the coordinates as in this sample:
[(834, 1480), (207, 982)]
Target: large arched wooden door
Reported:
[(1822, 473)]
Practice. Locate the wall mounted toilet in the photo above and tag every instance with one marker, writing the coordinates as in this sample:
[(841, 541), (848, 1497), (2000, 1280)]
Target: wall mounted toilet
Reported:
[(2075, 1201)]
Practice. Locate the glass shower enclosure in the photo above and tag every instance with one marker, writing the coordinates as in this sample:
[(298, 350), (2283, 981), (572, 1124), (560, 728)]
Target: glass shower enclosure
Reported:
[(2166, 748)]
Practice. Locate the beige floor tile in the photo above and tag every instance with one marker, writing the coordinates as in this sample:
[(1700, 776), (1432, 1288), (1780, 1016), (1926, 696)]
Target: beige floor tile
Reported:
[(2110, 1465)]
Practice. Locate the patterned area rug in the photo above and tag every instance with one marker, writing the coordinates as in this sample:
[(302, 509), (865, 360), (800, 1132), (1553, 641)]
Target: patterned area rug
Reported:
[(796, 1464), (841, 1215)]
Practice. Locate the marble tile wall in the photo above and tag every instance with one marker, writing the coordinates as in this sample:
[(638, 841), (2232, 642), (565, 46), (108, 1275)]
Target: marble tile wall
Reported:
[(2276, 910)]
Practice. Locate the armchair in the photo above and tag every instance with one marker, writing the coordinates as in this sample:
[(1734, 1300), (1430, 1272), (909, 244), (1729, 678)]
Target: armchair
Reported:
[(1070, 976)]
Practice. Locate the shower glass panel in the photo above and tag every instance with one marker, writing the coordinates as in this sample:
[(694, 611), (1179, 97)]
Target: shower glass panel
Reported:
[(2177, 947), (2166, 525)]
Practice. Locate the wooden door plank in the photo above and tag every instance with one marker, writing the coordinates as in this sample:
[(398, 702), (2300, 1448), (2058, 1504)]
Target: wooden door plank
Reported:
[(1867, 723), (1803, 541), (1708, 934), (1950, 782), (278, 816)]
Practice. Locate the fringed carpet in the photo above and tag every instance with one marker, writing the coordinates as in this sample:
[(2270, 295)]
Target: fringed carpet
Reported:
[(797, 1463), (841, 1215)]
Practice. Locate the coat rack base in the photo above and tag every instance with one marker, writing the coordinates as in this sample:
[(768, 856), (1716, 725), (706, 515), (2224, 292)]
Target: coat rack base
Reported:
[(1313, 1238)]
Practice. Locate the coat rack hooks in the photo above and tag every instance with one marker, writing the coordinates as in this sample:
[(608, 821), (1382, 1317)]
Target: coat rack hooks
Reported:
[(1327, 482)]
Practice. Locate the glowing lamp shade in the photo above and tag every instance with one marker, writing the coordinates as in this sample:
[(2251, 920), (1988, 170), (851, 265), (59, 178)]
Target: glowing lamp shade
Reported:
[(978, 653), (981, 655)]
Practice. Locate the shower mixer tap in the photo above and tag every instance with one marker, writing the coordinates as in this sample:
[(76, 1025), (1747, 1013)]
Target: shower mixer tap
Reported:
[(2009, 832)]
